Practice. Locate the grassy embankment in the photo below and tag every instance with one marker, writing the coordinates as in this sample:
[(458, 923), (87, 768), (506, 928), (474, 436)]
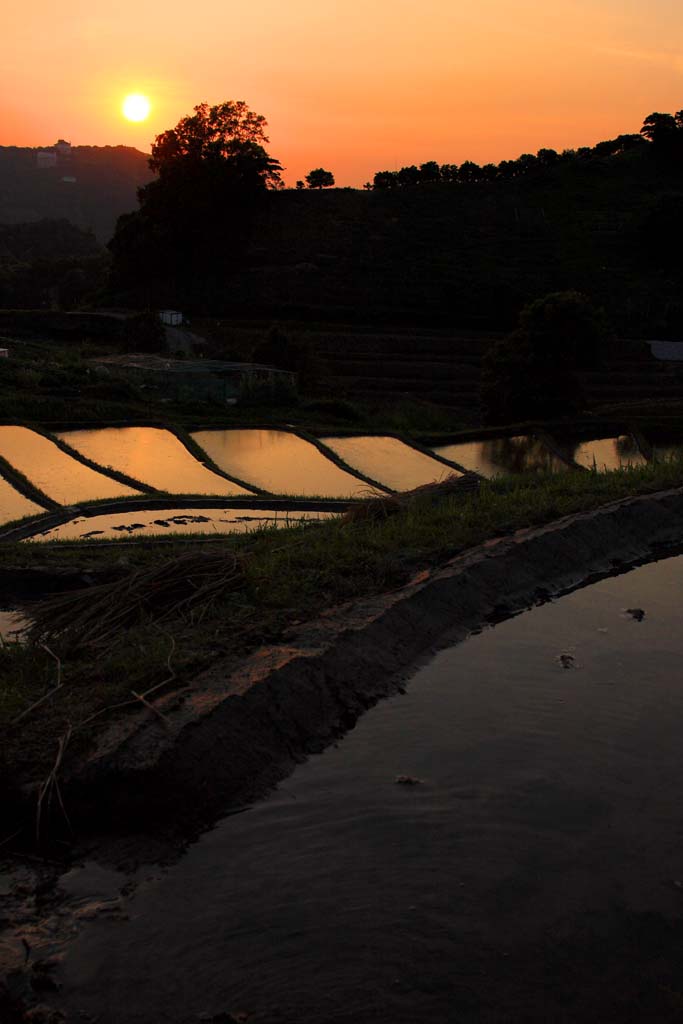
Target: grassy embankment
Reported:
[(281, 578)]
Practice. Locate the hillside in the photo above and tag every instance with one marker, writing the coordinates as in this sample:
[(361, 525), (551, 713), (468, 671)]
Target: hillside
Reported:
[(90, 186), (471, 255)]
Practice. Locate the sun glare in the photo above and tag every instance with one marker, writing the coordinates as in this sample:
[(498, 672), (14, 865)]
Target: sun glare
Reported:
[(136, 107)]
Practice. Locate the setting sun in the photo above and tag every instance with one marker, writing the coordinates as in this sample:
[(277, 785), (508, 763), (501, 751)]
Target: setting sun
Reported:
[(136, 107)]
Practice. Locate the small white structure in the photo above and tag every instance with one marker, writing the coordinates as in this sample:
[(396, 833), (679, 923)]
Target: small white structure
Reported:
[(45, 158), (170, 317), (4, 353), (69, 179), (667, 351)]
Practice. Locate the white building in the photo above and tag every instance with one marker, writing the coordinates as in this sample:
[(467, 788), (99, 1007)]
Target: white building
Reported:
[(171, 317), (45, 158)]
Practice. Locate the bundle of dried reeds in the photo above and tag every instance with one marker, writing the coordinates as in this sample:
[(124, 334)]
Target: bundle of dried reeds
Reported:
[(93, 617), (389, 504)]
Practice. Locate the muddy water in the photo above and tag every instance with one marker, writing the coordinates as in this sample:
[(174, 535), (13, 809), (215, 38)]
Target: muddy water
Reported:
[(499, 456), (114, 526), (547, 797), (154, 456), (389, 461), (53, 471), (279, 462), (14, 505), (607, 453)]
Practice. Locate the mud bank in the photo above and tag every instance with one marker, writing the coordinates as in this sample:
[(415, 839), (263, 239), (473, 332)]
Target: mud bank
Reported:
[(238, 728)]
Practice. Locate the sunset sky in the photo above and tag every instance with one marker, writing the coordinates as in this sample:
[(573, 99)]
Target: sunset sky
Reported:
[(355, 86)]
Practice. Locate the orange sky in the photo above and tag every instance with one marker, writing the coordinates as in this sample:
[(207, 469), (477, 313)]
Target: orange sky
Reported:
[(354, 86)]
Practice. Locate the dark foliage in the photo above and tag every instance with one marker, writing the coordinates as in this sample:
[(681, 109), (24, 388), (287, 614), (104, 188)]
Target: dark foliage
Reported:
[(320, 178), (532, 372), (286, 353), (49, 263), (195, 219)]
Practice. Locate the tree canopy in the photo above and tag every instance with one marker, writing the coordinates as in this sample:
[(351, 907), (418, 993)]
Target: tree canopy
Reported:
[(532, 372), (320, 178), (195, 219), (228, 133)]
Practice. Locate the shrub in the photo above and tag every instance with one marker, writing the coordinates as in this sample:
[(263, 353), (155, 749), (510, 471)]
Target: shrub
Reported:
[(532, 372)]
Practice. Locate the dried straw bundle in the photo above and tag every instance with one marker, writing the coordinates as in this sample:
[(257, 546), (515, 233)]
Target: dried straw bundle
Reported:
[(389, 504), (93, 617)]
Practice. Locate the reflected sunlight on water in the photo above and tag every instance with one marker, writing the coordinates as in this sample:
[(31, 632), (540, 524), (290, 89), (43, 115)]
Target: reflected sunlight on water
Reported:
[(501, 455), (279, 462), (607, 453), (154, 522), (14, 505), (389, 461), (57, 474), (154, 456)]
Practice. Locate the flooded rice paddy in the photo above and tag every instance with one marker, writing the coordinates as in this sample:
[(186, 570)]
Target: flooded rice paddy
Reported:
[(279, 462), (607, 453), (156, 522), (14, 505), (502, 455), (388, 461), (545, 762), (57, 474), (151, 455)]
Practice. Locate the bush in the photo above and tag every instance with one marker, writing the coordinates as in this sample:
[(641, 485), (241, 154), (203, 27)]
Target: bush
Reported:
[(532, 372)]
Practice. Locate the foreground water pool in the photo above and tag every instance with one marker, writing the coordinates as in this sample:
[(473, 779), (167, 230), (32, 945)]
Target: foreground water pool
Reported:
[(502, 455), (389, 461), (61, 477), (151, 455), (279, 462), (157, 522), (532, 872)]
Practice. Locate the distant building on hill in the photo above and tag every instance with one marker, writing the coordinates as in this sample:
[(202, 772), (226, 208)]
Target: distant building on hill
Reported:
[(60, 153), (171, 317), (46, 158)]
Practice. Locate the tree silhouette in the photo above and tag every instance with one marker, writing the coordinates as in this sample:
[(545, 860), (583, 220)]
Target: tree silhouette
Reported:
[(194, 220), (532, 372), (320, 178), (227, 132), (659, 128)]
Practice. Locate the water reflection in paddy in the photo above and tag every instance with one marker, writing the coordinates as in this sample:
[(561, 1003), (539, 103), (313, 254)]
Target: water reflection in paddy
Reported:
[(389, 461), (607, 453), (153, 456), (57, 474), (501, 455), (154, 522), (279, 462), (14, 505)]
